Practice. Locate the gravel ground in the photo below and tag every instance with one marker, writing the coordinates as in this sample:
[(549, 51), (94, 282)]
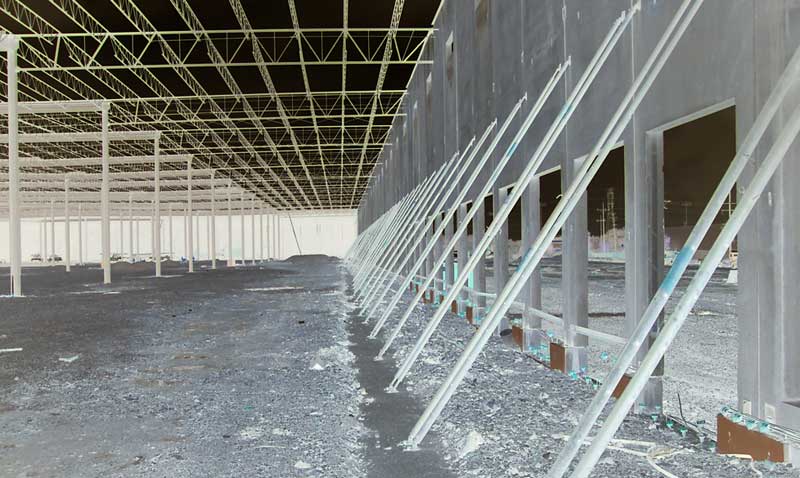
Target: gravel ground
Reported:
[(518, 412), (240, 372), (700, 365)]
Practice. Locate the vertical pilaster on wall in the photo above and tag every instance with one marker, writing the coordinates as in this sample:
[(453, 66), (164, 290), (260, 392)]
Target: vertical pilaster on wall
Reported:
[(500, 262), (462, 249), (768, 356), (437, 286), (532, 293), (429, 259), (448, 265), (479, 273), (574, 277), (644, 247)]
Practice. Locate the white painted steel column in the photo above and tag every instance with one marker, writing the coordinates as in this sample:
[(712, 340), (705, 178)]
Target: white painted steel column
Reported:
[(231, 260), (261, 233), (53, 230), (186, 234), (213, 224), (279, 238), (157, 213), (105, 231), (67, 244), (14, 224), (189, 219), (138, 250), (80, 234), (241, 214), (171, 250), (130, 228), (253, 229)]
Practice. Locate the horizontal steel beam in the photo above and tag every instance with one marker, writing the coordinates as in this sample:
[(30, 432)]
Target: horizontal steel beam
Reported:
[(45, 107), (83, 137)]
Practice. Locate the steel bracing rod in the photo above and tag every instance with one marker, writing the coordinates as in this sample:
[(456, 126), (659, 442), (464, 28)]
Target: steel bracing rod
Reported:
[(668, 285), (676, 320), (369, 236), (400, 216), (362, 238), (407, 215), (355, 247), (464, 189), (424, 225), (383, 236), (464, 224), (390, 218), (392, 222), (420, 234), (480, 338), (413, 220), (485, 191), (360, 262)]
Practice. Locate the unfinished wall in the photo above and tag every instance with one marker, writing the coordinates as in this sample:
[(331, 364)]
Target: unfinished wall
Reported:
[(488, 53)]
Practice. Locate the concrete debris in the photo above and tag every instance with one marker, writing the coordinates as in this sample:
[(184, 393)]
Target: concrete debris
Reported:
[(301, 465), (472, 442)]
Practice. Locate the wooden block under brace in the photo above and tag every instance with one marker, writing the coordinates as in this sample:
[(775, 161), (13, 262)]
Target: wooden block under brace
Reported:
[(558, 357), (736, 438), (517, 334), (621, 385)]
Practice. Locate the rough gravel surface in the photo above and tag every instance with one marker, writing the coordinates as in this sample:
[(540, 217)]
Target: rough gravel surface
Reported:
[(701, 364), (511, 414), (240, 372)]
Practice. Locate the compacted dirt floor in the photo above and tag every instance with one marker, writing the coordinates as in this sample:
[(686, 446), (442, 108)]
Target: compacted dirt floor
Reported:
[(232, 372)]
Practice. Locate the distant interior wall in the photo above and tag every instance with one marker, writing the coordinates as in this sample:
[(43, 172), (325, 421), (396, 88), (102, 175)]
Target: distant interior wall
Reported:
[(329, 234)]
